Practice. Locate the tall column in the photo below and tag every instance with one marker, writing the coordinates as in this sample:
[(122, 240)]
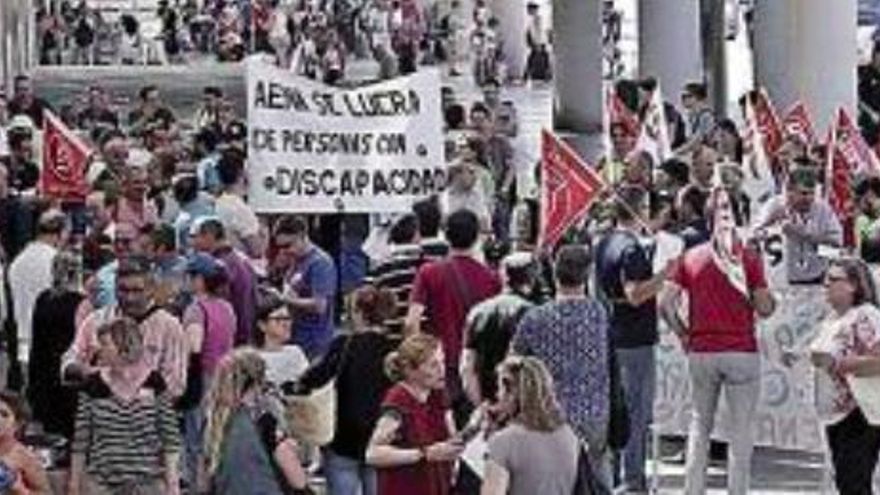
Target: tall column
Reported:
[(577, 65), (669, 43), (807, 50), (511, 15)]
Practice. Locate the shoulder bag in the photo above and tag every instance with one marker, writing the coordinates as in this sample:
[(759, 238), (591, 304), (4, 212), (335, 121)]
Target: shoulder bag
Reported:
[(312, 417)]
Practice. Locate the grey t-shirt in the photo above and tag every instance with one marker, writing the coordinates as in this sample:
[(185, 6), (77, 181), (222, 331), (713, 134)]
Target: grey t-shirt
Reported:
[(538, 462)]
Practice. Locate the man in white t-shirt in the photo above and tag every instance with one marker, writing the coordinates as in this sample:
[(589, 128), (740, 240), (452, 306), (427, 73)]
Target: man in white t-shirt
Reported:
[(31, 273), (241, 223)]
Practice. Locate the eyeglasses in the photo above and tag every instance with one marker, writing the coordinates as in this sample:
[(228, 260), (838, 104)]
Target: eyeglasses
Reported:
[(282, 319)]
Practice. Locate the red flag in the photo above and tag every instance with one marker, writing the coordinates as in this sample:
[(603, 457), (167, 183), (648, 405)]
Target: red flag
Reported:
[(840, 172), (849, 139), (619, 113), (798, 123), (767, 123), (569, 187), (65, 158)]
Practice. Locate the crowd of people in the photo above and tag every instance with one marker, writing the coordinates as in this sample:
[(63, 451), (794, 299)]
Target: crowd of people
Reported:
[(177, 342), (316, 38)]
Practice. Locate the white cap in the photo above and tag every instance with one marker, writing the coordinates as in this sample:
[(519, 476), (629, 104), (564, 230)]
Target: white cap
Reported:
[(21, 122), (139, 158)]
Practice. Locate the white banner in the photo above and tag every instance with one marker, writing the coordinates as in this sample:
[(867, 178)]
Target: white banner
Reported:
[(316, 148)]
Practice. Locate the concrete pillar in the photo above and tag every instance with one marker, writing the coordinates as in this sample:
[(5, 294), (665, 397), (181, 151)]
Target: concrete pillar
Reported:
[(670, 44), (512, 19), (807, 50), (577, 78)]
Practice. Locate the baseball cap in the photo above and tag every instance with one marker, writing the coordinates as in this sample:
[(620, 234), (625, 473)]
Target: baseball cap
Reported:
[(204, 265)]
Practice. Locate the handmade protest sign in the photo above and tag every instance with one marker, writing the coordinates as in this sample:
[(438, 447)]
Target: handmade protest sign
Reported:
[(317, 148)]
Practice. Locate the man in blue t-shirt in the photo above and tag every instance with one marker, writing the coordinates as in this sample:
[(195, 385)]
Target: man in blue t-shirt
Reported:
[(309, 286)]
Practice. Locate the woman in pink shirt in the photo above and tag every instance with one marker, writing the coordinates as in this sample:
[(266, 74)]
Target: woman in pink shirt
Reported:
[(209, 325)]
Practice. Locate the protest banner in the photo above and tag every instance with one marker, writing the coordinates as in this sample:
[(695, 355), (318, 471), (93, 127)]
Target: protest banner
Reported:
[(319, 149)]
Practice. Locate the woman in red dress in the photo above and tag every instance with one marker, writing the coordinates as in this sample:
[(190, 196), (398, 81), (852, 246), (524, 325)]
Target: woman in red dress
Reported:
[(413, 446)]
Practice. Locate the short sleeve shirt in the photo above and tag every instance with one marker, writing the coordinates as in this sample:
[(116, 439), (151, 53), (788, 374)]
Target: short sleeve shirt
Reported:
[(621, 258), (314, 276), (421, 424), (721, 317), (448, 290), (571, 338), (539, 462)]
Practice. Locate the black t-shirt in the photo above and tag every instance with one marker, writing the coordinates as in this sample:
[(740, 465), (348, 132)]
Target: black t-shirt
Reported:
[(357, 363), (620, 257), (490, 326)]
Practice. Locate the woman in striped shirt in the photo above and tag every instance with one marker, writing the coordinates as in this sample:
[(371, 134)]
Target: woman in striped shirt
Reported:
[(126, 438)]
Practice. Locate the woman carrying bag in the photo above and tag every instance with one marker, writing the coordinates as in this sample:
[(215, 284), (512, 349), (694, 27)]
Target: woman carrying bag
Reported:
[(354, 365)]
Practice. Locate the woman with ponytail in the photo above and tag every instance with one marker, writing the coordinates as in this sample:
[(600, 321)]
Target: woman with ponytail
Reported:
[(413, 445), (537, 452), (356, 361)]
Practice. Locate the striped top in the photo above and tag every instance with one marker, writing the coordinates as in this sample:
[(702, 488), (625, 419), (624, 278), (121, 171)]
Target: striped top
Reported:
[(125, 442), (397, 274)]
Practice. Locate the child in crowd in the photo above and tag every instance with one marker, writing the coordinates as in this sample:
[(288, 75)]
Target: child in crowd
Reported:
[(126, 438)]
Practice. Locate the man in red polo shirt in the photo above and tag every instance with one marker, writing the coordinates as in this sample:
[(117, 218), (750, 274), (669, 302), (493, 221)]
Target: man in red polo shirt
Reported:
[(447, 289), (726, 287)]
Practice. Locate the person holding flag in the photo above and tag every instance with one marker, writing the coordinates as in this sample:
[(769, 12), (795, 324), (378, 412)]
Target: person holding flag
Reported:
[(726, 287)]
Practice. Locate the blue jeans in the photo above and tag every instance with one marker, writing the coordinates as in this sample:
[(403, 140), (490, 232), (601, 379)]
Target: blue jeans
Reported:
[(193, 426), (347, 476), (638, 374)]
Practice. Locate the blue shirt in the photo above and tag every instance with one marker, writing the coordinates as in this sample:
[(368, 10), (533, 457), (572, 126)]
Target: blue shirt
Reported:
[(571, 338), (314, 276)]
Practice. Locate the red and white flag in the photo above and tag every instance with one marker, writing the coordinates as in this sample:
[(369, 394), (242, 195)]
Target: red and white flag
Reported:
[(840, 171), (758, 180), (798, 123), (618, 112), (654, 135), (848, 139), (766, 122), (569, 186), (65, 159)]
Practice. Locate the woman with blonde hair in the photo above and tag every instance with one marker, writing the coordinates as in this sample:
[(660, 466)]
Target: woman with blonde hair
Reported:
[(413, 445), (245, 451), (537, 452)]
